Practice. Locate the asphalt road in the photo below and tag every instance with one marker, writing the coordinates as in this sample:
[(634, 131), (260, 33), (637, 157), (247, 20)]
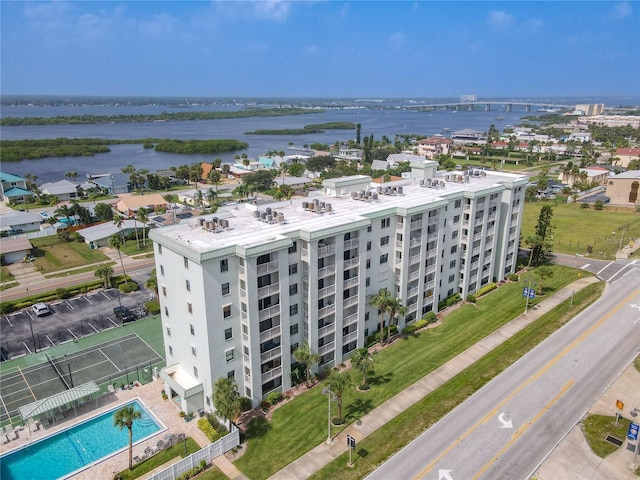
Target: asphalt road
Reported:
[(506, 429)]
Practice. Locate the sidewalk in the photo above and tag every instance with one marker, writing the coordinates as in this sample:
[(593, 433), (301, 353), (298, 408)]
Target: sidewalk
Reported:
[(321, 455)]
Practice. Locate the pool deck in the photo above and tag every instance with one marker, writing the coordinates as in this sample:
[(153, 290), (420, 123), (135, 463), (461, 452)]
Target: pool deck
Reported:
[(165, 410)]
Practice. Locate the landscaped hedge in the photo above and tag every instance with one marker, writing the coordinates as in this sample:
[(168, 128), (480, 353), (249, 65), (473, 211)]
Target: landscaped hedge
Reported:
[(447, 302), (152, 306), (212, 429), (486, 289), (409, 329)]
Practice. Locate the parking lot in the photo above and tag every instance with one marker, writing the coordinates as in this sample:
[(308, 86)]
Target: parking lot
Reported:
[(24, 332)]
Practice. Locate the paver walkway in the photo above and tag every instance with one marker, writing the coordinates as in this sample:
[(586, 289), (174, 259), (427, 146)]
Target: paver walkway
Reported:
[(321, 455)]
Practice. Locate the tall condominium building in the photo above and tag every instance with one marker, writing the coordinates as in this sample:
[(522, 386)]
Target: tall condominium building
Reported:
[(591, 108), (242, 289)]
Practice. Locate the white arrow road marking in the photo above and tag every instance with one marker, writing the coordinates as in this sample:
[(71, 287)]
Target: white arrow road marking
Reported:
[(444, 475), (505, 423), (634, 306)]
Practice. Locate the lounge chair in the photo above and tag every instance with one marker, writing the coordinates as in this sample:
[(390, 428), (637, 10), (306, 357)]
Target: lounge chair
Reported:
[(148, 452), (160, 445)]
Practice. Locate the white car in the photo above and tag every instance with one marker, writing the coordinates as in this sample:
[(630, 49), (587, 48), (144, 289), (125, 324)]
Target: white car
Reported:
[(41, 309)]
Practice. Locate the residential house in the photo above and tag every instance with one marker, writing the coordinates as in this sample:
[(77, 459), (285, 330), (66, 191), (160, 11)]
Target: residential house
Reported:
[(622, 189), (432, 146), (9, 182), (99, 235), (296, 183), (63, 190), (14, 249), (395, 159), (625, 155), (13, 223), (114, 183), (130, 205), (196, 197), (593, 175)]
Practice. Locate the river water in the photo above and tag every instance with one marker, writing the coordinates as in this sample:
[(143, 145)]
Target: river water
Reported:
[(389, 122)]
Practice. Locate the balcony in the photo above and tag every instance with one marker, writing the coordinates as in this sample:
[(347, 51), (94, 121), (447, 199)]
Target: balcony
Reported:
[(269, 290), (325, 292), (478, 221), (352, 282), (269, 312), (324, 349), (350, 337), (431, 269), (348, 302), (326, 250), (353, 243), (412, 291), (415, 225), (326, 271), (268, 268), (326, 330), (350, 319), (267, 334), (414, 242), (415, 259), (413, 275), (399, 243), (476, 251), (328, 310), (271, 354), (305, 254), (241, 269), (352, 262), (271, 374)]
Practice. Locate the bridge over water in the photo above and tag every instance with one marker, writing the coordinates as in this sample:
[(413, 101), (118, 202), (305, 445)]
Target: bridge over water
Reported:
[(506, 105)]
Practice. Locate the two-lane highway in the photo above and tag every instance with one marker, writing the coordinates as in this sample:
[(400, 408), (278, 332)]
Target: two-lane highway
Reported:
[(507, 428)]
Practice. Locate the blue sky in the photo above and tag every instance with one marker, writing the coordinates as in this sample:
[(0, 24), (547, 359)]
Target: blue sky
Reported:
[(320, 49)]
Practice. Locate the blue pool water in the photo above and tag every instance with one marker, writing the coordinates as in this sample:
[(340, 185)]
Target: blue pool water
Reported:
[(72, 449)]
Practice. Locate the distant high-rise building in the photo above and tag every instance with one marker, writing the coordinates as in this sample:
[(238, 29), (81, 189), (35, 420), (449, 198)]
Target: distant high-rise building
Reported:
[(469, 98), (591, 108), (242, 289)]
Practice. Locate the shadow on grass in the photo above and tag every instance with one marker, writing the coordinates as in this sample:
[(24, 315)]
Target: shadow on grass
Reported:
[(258, 427), (358, 408), (380, 379)]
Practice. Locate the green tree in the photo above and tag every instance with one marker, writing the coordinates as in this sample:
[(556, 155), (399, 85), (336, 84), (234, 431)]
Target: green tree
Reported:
[(195, 173), (64, 211), (143, 217), (104, 273), (544, 272), (544, 230), (210, 196), (307, 358), (118, 222), (362, 360), (394, 307), (104, 212), (114, 242), (296, 169), (226, 398), (124, 418), (381, 301), (214, 177), (71, 175), (338, 382)]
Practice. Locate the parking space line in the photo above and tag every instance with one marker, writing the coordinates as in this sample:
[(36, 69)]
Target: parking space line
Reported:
[(8, 321), (97, 331), (72, 334), (106, 296), (28, 349), (69, 305), (88, 300), (114, 323), (50, 341)]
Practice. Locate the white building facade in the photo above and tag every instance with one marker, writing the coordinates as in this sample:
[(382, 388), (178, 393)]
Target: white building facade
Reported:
[(242, 289)]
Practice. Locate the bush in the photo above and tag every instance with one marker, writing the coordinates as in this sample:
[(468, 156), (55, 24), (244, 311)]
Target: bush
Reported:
[(471, 298), (211, 433), (598, 205), (274, 397), (514, 277), (129, 287), (409, 329), (152, 306), (62, 293), (486, 289), (245, 404), (584, 206), (430, 317), (213, 421), (7, 307), (447, 302)]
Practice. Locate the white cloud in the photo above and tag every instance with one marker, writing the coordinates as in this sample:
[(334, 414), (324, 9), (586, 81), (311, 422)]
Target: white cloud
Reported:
[(500, 19), (621, 10), (277, 10), (397, 40), (158, 25)]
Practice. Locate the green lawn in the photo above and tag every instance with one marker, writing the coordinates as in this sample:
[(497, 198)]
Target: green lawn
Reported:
[(396, 368), (131, 247), (6, 279), (576, 228), (53, 254), (597, 427), (394, 435), (161, 458)]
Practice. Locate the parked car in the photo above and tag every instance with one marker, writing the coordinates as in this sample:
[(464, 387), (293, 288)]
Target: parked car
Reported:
[(41, 309), (124, 314)]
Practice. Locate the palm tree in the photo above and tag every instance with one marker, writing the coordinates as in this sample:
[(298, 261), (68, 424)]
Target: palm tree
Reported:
[(304, 356), (381, 302), (246, 162), (211, 197), (362, 360), (226, 168), (143, 217), (104, 273), (125, 418), (394, 307), (66, 212), (226, 398), (71, 175), (118, 221), (338, 382), (114, 242), (214, 177)]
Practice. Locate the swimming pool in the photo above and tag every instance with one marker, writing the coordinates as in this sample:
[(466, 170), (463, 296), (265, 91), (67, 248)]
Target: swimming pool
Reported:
[(76, 447)]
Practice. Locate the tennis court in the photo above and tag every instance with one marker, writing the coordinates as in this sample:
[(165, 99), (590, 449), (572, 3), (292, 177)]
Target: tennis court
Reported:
[(103, 363)]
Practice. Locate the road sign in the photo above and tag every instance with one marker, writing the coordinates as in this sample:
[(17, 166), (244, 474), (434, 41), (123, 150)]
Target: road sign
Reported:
[(619, 405), (529, 292), (632, 434), (351, 442)]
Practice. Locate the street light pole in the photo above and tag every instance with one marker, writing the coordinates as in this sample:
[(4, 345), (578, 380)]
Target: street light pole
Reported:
[(327, 391)]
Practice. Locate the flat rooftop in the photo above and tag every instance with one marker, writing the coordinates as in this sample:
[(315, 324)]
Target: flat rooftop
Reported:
[(245, 230)]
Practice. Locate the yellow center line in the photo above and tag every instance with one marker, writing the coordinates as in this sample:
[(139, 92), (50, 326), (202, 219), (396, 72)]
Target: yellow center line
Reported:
[(531, 379), (27, 383), (523, 429)]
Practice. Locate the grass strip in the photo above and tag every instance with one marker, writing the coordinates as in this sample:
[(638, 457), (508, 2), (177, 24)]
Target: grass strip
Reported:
[(159, 459), (397, 433), (597, 427), (300, 425)]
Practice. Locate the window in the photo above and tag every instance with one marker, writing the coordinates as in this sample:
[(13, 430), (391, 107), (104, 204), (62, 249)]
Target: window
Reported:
[(452, 264), (245, 329), (188, 285), (186, 262), (386, 222), (160, 249), (226, 311), (457, 204), (293, 248), (225, 289), (192, 329), (170, 350), (164, 290), (293, 269), (368, 263), (168, 330), (452, 278), (195, 371), (293, 329), (293, 289), (166, 311), (454, 234), (231, 374), (384, 240), (224, 265), (384, 258), (294, 347), (162, 270), (456, 219), (369, 229), (293, 309), (228, 354), (368, 246), (193, 350), (190, 307), (368, 281), (228, 333), (454, 249)]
